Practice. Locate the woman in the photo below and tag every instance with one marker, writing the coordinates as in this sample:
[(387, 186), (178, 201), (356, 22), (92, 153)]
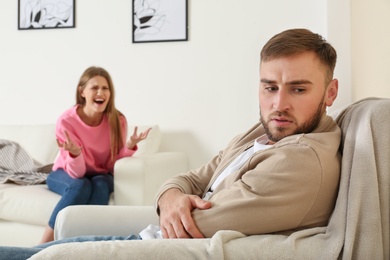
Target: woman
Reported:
[(91, 136)]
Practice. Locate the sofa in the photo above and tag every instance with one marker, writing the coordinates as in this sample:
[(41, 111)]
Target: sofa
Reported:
[(358, 227), (25, 209)]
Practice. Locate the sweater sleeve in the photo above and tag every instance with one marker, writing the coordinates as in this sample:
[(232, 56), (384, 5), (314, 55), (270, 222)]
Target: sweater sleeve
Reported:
[(74, 166)]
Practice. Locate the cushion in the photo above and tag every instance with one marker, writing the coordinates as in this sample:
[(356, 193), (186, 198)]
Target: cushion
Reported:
[(32, 204), (27, 204), (39, 141)]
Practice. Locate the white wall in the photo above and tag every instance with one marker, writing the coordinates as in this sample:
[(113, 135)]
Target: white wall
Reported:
[(339, 35), (370, 48), (201, 92)]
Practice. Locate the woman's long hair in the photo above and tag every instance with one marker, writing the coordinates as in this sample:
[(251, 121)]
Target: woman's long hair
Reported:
[(113, 114)]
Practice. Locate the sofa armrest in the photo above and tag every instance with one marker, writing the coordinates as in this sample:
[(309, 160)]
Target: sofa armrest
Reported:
[(103, 220), (137, 178)]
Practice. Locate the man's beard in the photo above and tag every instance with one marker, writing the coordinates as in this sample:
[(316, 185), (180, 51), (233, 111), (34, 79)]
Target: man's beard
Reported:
[(282, 132)]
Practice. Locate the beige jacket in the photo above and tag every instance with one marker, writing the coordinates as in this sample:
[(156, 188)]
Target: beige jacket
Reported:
[(292, 185)]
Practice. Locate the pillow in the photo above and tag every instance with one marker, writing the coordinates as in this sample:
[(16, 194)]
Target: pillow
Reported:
[(39, 141)]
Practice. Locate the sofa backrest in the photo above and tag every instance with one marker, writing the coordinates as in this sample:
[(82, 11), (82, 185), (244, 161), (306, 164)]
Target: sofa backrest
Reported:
[(39, 141), (361, 215)]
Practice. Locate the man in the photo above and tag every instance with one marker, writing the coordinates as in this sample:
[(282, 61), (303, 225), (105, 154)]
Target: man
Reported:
[(280, 176), (288, 173)]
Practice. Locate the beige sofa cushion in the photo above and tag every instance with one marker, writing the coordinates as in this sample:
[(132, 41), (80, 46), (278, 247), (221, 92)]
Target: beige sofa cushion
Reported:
[(27, 204)]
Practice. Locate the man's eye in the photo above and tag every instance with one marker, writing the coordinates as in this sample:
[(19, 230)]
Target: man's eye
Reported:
[(299, 90), (271, 89)]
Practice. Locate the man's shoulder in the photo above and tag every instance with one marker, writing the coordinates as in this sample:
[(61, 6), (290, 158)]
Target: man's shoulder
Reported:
[(327, 124), (328, 134)]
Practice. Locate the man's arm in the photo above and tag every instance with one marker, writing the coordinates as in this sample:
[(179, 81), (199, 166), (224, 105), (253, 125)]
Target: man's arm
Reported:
[(178, 197), (175, 214)]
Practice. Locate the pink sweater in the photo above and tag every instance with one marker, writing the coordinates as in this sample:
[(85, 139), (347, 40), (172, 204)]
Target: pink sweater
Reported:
[(95, 141)]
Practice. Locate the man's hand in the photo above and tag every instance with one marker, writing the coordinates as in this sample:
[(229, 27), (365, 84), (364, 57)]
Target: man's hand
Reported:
[(175, 214)]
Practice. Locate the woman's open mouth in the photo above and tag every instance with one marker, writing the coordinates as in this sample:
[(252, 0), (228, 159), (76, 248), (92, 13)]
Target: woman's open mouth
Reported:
[(99, 101)]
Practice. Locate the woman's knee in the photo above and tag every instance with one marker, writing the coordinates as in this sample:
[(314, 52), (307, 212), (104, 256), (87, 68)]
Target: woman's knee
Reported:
[(60, 182), (102, 182), (81, 186)]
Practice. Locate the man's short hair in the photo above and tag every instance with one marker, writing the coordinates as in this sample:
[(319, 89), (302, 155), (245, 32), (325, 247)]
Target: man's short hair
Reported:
[(296, 41)]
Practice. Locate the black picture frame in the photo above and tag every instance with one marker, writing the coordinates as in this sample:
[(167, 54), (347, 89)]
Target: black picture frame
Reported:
[(48, 14), (159, 21)]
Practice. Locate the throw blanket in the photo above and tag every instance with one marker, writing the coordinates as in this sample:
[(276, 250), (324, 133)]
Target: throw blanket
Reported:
[(357, 229), (18, 167)]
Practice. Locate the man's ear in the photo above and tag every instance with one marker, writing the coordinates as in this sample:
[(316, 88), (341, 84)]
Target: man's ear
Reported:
[(331, 92)]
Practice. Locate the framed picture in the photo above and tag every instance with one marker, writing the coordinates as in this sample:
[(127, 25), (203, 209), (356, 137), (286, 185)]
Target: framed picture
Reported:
[(160, 20), (46, 14)]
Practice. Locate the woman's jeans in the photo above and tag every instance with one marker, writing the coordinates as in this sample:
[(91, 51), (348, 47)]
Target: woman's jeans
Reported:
[(89, 190), (22, 253)]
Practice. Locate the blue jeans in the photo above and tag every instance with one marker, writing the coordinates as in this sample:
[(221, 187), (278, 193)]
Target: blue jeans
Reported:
[(22, 253), (89, 190)]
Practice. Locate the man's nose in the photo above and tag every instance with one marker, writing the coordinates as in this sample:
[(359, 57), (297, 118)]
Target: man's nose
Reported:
[(281, 101)]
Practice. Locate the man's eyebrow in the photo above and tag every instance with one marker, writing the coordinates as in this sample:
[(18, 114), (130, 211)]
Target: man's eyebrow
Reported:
[(267, 81), (300, 82), (293, 82)]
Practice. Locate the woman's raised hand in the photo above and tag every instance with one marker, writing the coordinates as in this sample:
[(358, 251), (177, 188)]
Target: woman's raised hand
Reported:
[(135, 138), (70, 146)]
